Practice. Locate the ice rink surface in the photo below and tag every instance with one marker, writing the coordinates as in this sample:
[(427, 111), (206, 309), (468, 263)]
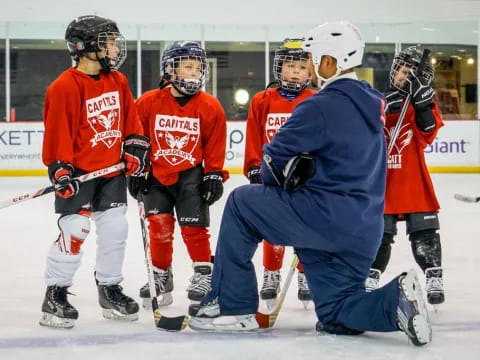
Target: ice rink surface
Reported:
[(27, 230)]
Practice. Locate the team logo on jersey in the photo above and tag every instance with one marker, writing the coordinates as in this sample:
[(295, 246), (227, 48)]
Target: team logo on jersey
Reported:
[(176, 138), (274, 121), (403, 140), (103, 115)]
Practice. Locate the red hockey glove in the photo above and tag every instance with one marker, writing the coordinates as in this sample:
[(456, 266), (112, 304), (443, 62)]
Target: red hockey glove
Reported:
[(61, 175), (135, 154)]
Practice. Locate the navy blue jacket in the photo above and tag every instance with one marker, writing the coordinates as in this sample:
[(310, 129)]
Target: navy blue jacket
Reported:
[(342, 126)]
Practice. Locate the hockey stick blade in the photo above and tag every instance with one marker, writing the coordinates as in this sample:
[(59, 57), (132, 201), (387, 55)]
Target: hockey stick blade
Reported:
[(49, 189), (170, 323), (266, 321), (465, 198)]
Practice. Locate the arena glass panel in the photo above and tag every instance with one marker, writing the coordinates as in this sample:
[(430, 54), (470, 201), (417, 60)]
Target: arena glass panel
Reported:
[(455, 81), (129, 67), (151, 57), (34, 64), (238, 73)]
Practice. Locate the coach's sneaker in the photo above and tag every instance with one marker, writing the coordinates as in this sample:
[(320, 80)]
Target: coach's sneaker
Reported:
[(115, 304), (372, 280), (434, 288), (200, 282), (203, 317), (57, 312), (163, 285), (412, 314)]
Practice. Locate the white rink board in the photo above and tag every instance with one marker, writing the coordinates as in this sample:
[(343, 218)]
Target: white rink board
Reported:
[(457, 144)]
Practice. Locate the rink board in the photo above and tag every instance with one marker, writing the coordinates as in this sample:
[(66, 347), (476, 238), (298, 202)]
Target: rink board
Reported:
[(456, 148)]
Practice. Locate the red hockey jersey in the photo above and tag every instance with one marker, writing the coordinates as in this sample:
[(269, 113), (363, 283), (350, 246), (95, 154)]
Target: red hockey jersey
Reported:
[(86, 120), (268, 111), (183, 136), (409, 187)]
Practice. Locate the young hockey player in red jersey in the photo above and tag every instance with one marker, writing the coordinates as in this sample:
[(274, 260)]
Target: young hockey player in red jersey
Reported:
[(269, 110), (409, 194), (90, 123), (187, 129)]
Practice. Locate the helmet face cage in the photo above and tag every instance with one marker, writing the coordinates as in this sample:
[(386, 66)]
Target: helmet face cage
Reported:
[(115, 47), (289, 52), (184, 57), (410, 58)]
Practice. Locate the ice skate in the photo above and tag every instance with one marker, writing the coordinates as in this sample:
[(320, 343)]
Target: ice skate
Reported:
[(270, 288), (412, 314), (434, 287), (163, 286), (207, 317), (115, 304), (304, 294), (57, 312), (372, 280), (200, 281)]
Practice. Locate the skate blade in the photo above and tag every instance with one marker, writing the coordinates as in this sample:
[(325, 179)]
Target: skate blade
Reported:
[(52, 321), (270, 304), (112, 314), (305, 304), (240, 323), (162, 300)]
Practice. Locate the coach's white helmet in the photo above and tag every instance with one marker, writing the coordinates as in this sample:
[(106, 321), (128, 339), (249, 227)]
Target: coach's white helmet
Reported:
[(341, 40)]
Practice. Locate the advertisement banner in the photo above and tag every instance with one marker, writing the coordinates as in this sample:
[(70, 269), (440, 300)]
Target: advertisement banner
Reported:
[(21, 145), (457, 146)]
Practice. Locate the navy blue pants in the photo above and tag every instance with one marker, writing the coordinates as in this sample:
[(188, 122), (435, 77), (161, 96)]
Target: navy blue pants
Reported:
[(336, 280)]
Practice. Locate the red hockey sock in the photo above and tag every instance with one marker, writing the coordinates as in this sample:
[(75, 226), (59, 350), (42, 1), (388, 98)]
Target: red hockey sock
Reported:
[(272, 256), (161, 239), (197, 240)]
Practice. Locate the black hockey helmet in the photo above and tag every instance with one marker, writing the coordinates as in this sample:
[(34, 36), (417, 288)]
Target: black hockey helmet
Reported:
[(411, 58), (172, 58), (290, 50), (91, 33)]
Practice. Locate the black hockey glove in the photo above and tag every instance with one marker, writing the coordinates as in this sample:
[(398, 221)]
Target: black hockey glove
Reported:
[(394, 100), (61, 175), (254, 175), (136, 185), (212, 187), (420, 89), (135, 154), (298, 170)]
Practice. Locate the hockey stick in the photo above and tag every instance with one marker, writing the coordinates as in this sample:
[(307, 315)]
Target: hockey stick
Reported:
[(46, 190), (466, 198), (398, 125), (161, 321), (266, 321)]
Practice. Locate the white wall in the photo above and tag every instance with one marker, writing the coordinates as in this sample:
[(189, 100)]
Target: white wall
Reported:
[(381, 21)]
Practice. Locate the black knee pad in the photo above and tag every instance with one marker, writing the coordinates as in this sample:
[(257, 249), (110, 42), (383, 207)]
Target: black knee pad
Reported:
[(336, 329), (384, 252), (426, 248)]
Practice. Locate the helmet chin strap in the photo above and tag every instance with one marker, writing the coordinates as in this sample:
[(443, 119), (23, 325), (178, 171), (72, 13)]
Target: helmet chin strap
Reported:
[(104, 62)]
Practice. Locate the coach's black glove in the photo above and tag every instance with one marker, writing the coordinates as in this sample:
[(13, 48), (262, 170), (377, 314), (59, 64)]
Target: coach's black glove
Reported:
[(420, 89), (135, 154), (394, 100), (61, 175), (212, 187), (254, 175)]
